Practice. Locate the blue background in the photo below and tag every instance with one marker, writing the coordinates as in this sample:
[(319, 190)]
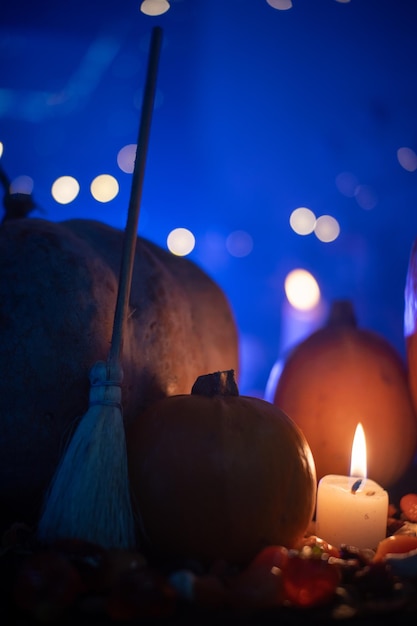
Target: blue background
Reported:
[(258, 111)]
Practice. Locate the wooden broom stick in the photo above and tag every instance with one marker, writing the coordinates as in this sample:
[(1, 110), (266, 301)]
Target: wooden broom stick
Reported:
[(126, 269), (89, 497)]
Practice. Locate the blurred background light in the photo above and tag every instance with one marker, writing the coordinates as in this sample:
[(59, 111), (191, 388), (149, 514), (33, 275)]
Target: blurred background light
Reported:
[(302, 221), (302, 289), (126, 158), (326, 228), (407, 158), (281, 5), (104, 188), (239, 243), (181, 241), (347, 183), (154, 7), (65, 189), (22, 184), (366, 197)]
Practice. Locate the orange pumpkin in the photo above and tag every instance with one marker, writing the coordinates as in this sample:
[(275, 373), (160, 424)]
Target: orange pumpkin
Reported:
[(57, 299), (341, 375), (215, 475)]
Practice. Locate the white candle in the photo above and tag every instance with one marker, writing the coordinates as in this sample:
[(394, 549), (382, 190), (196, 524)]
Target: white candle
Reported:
[(352, 510), (355, 518)]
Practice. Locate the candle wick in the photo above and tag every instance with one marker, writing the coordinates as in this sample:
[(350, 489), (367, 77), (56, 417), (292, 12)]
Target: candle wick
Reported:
[(356, 485)]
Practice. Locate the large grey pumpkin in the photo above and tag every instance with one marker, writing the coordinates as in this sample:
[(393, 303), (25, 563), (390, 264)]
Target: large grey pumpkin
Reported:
[(58, 287)]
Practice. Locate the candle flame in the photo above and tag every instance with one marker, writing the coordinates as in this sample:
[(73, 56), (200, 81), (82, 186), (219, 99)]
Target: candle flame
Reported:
[(358, 458)]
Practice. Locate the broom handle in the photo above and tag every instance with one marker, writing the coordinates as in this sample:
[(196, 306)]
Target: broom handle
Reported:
[(130, 236)]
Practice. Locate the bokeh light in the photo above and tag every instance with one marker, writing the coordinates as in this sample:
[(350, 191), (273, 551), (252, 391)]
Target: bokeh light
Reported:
[(273, 379), (327, 228), (22, 184), (1, 149), (180, 241), (104, 188), (154, 7), (126, 158), (281, 5), (407, 158), (65, 189), (212, 251), (239, 243), (302, 289), (347, 183), (302, 221), (366, 197)]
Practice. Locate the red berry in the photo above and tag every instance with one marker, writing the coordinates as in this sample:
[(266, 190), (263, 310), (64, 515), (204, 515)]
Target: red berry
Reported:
[(310, 582), (408, 506)]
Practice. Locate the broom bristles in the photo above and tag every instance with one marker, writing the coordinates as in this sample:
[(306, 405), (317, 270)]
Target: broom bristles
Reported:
[(89, 497)]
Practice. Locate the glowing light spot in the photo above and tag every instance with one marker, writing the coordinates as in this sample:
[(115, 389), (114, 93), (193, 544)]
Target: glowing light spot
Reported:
[(273, 379), (410, 309), (22, 184), (65, 189), (180, 241), (358, 461), (281, 5), (366, 197), (239, 243), (343, 1), (154, 7), (1, 149), (302, 221), (347, 183), (104, 188), (407, 158), (327, 228), (126, 158), (302, 290), (212, 251)]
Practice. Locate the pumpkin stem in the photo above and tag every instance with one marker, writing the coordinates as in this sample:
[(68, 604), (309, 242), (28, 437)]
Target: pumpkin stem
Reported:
[(342, 313), (216, 384)]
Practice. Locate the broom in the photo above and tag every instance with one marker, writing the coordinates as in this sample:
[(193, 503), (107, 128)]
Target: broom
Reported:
[(89, 497)]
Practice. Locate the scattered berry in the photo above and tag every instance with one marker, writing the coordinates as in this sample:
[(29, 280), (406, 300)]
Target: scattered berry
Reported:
[(395, 544), (310, 582), (408, 506)]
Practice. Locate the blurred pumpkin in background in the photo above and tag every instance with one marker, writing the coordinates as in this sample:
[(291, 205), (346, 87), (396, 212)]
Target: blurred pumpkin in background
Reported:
[(341, 375), (58, 292)]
